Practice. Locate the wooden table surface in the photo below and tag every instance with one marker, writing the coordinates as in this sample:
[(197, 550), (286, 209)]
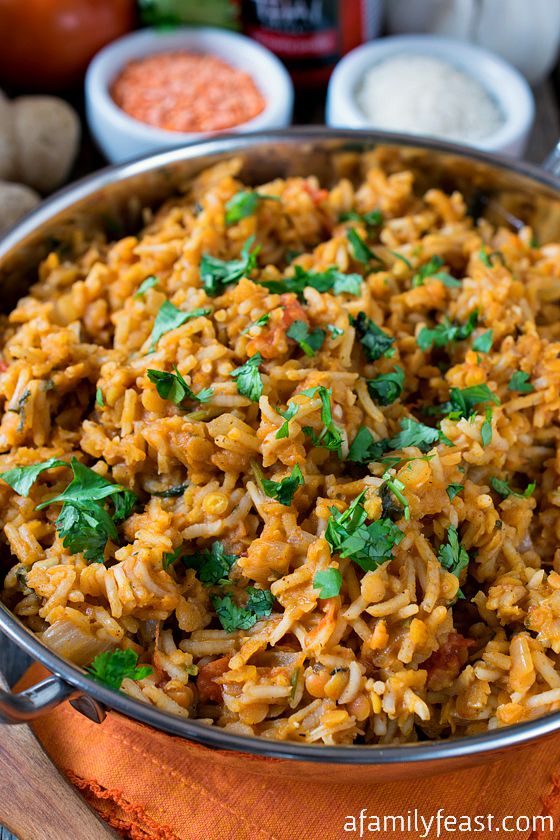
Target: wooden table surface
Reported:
[(545, 135)]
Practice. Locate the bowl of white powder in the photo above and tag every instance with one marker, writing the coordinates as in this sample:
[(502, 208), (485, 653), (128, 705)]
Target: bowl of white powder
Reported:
[(433, 87)]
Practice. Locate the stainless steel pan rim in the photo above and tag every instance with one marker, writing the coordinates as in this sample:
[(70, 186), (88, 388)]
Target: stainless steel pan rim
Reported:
[(70, 681)]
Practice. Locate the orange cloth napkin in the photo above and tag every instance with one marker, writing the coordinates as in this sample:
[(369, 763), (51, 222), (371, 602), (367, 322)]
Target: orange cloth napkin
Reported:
[(151, 786)]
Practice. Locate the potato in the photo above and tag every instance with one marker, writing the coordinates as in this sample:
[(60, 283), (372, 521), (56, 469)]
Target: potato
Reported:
[(8, 164), (15, 201), (47, 132)]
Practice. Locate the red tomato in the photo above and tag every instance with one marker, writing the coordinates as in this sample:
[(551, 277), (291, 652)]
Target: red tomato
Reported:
[(47, 44)]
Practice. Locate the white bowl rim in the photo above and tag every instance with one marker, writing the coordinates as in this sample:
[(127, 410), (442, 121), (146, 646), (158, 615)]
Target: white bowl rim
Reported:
[(97, 86), (461, 55)]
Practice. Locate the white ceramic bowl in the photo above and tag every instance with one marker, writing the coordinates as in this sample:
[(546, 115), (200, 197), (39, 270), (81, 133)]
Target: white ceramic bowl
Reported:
[(121, 137), (504, 83)]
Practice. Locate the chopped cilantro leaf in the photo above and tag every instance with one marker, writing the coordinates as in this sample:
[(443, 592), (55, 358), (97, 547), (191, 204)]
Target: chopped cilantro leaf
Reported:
[(452, 556), (414, 433), (171, 492), (359, 249), (373, 218), (248, 378), (330, 280), (483, 342), (99, 398), (331, 436), (329, 581), (503, 488), (401, 257), (463, 401), (146, 284), (173, 387), (483, 254), (283, 491), (284, 430), (310, 342), (83, 525), (334, 330), (364, 448), (212, 565), (170, 318), (519, 382), (216, 274), (375, 342), (260, 322), (245, 203), (454, 490), (486, 428), (21, 479), (397, 487), (387, 387), (113, 666), (431, 269), (171, 557), (367, 545), (446, 333), (233, 617)]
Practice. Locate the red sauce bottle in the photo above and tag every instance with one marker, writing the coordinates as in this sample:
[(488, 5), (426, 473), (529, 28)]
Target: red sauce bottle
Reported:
[(310, 36)]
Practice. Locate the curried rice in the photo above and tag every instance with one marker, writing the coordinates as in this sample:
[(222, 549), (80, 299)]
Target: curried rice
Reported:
[(321, 428)]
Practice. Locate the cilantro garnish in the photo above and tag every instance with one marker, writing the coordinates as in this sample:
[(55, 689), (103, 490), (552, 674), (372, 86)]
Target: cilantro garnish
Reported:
[(329, 581), (173, 387), (452, 556), (171, 492), (446, 333), (310, 342), (233, 617), (248, 378), (245, 203), (431, 269), (454, 490), (212, 565), (401, 257), (283, 491), (483, 342), (330, 280), (483, 255), (387, 387), (331, 436), (519, 382), (290, 412), (358, 248), (99, 398), (503, 488), (375, 342), (486, 428), (170, 318), (171, 557), (414, 433), (397, 487), (260, 322), (463, 401), (146, 284), (364, 448), (334, 330), (113, 666), (367, 545), (216, 274), (372, 219), (83, 524), (21, 479)]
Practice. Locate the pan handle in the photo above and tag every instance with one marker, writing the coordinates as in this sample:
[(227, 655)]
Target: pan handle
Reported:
[(552, 161), (44, 696)]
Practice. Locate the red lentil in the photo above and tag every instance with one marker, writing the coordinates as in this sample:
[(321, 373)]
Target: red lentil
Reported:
[(183, 91)]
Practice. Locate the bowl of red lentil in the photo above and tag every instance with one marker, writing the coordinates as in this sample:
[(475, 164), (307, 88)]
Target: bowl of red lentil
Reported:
[(152, 90)]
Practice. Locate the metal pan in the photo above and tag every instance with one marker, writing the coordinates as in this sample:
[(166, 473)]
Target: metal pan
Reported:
[(506, 192)]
